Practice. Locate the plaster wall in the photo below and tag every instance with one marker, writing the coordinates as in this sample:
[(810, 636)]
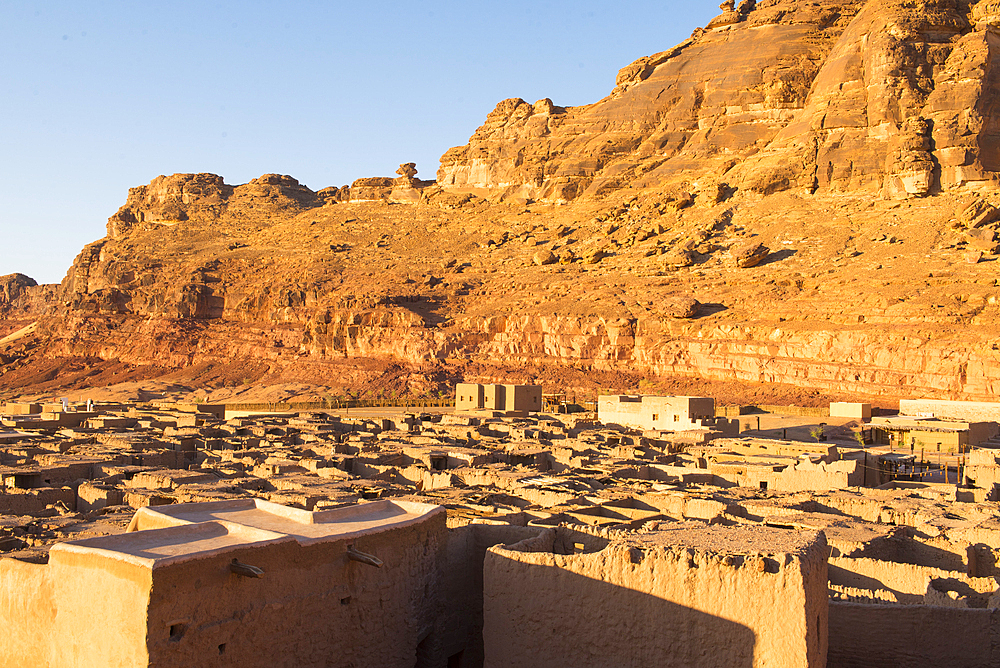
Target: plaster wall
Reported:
[(850, 410), (616, 604), (60, 614), (100, 619), (907, 581), (516, 398), (164, 593), (468, 396), (462, 617), (982, 431), (800, 477), (312, 606), (30, 501), (27, 614)]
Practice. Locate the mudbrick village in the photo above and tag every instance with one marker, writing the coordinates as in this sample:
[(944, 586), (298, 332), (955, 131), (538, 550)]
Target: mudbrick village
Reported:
[(702, 374)]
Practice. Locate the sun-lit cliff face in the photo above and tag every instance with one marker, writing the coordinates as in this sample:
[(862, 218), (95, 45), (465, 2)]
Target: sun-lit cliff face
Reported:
[(799, 195), (896, 97)]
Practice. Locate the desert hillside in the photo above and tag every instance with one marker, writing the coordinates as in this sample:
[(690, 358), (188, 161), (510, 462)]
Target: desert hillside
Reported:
[(794, 204)]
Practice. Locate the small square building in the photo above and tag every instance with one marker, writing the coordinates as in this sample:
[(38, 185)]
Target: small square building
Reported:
[(232, 583), (507, 398)]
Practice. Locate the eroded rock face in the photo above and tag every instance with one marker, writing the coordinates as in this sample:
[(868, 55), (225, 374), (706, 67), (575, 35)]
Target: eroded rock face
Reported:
[(12, 287), (895, 97), (783, 126), (169, 200)]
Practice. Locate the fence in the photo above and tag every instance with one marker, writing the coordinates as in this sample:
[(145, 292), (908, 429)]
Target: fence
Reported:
[(805, 411), (335, 404)]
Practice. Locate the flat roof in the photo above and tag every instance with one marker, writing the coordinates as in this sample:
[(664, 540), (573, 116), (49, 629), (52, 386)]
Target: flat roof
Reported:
[(304, 525), (161, 535), (169, 545), (916, 423)]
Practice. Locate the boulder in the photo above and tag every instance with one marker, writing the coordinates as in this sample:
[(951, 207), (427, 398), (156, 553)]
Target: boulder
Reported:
[(681, 307), (749, 254), (544, 257), (677, 259), (977, 213), (982, 238)]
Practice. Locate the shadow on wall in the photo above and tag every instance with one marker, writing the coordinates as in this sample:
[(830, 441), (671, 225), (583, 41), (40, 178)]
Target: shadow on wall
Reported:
[(912, 636), (556, 618)]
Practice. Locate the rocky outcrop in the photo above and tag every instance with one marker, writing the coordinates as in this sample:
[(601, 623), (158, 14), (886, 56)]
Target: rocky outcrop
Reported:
[(406, 189), (749, 254), (892, 363), (909, 170), (12, 288), (895, 97), (168, 200)]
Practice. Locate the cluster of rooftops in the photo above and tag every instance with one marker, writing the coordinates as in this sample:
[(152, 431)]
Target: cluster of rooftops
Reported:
[(913, 497)]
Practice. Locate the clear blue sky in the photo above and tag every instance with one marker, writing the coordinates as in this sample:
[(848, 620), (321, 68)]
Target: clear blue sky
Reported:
[(97, 97)]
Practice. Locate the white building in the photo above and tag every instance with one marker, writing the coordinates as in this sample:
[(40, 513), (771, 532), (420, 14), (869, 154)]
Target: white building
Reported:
[(653, 413)]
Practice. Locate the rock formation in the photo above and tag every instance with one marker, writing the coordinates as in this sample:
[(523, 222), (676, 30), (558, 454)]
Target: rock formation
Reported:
[(852, 145), (12, 287), (774, 95)]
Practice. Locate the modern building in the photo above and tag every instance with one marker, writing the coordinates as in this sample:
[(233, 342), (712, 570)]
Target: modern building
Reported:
[(846, 409), (930, 434), (656, 413)]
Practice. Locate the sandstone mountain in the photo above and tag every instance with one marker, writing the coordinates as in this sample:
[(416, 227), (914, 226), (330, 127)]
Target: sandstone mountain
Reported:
[(897, 97), (796, 201)]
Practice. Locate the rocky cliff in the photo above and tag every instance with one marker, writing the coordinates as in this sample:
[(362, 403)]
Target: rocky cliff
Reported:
[(800, 195), (895, 97)]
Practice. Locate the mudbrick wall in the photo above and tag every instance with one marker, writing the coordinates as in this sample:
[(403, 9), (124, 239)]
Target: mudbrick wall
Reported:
[(576, 600), (912, 635)]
